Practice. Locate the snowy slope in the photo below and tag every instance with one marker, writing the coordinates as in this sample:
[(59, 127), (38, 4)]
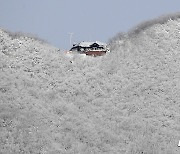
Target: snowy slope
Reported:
[(124, 102)]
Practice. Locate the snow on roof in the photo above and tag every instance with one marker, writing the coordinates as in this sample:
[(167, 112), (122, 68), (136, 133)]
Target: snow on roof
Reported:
[(88, 44)]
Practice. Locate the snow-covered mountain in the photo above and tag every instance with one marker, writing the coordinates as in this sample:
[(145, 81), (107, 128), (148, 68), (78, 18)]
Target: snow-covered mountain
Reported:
[(125, 102)]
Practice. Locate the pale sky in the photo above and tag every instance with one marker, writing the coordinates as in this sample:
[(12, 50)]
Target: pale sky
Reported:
[(88, 20)]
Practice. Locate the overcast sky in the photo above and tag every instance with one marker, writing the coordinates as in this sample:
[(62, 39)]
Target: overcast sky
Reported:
[(88, 20)]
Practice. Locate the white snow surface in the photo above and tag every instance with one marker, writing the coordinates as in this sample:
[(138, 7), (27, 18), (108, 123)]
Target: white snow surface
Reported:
[(122, 103)]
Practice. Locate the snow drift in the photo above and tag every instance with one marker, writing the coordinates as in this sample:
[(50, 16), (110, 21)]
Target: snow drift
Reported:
[(124, 102)]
